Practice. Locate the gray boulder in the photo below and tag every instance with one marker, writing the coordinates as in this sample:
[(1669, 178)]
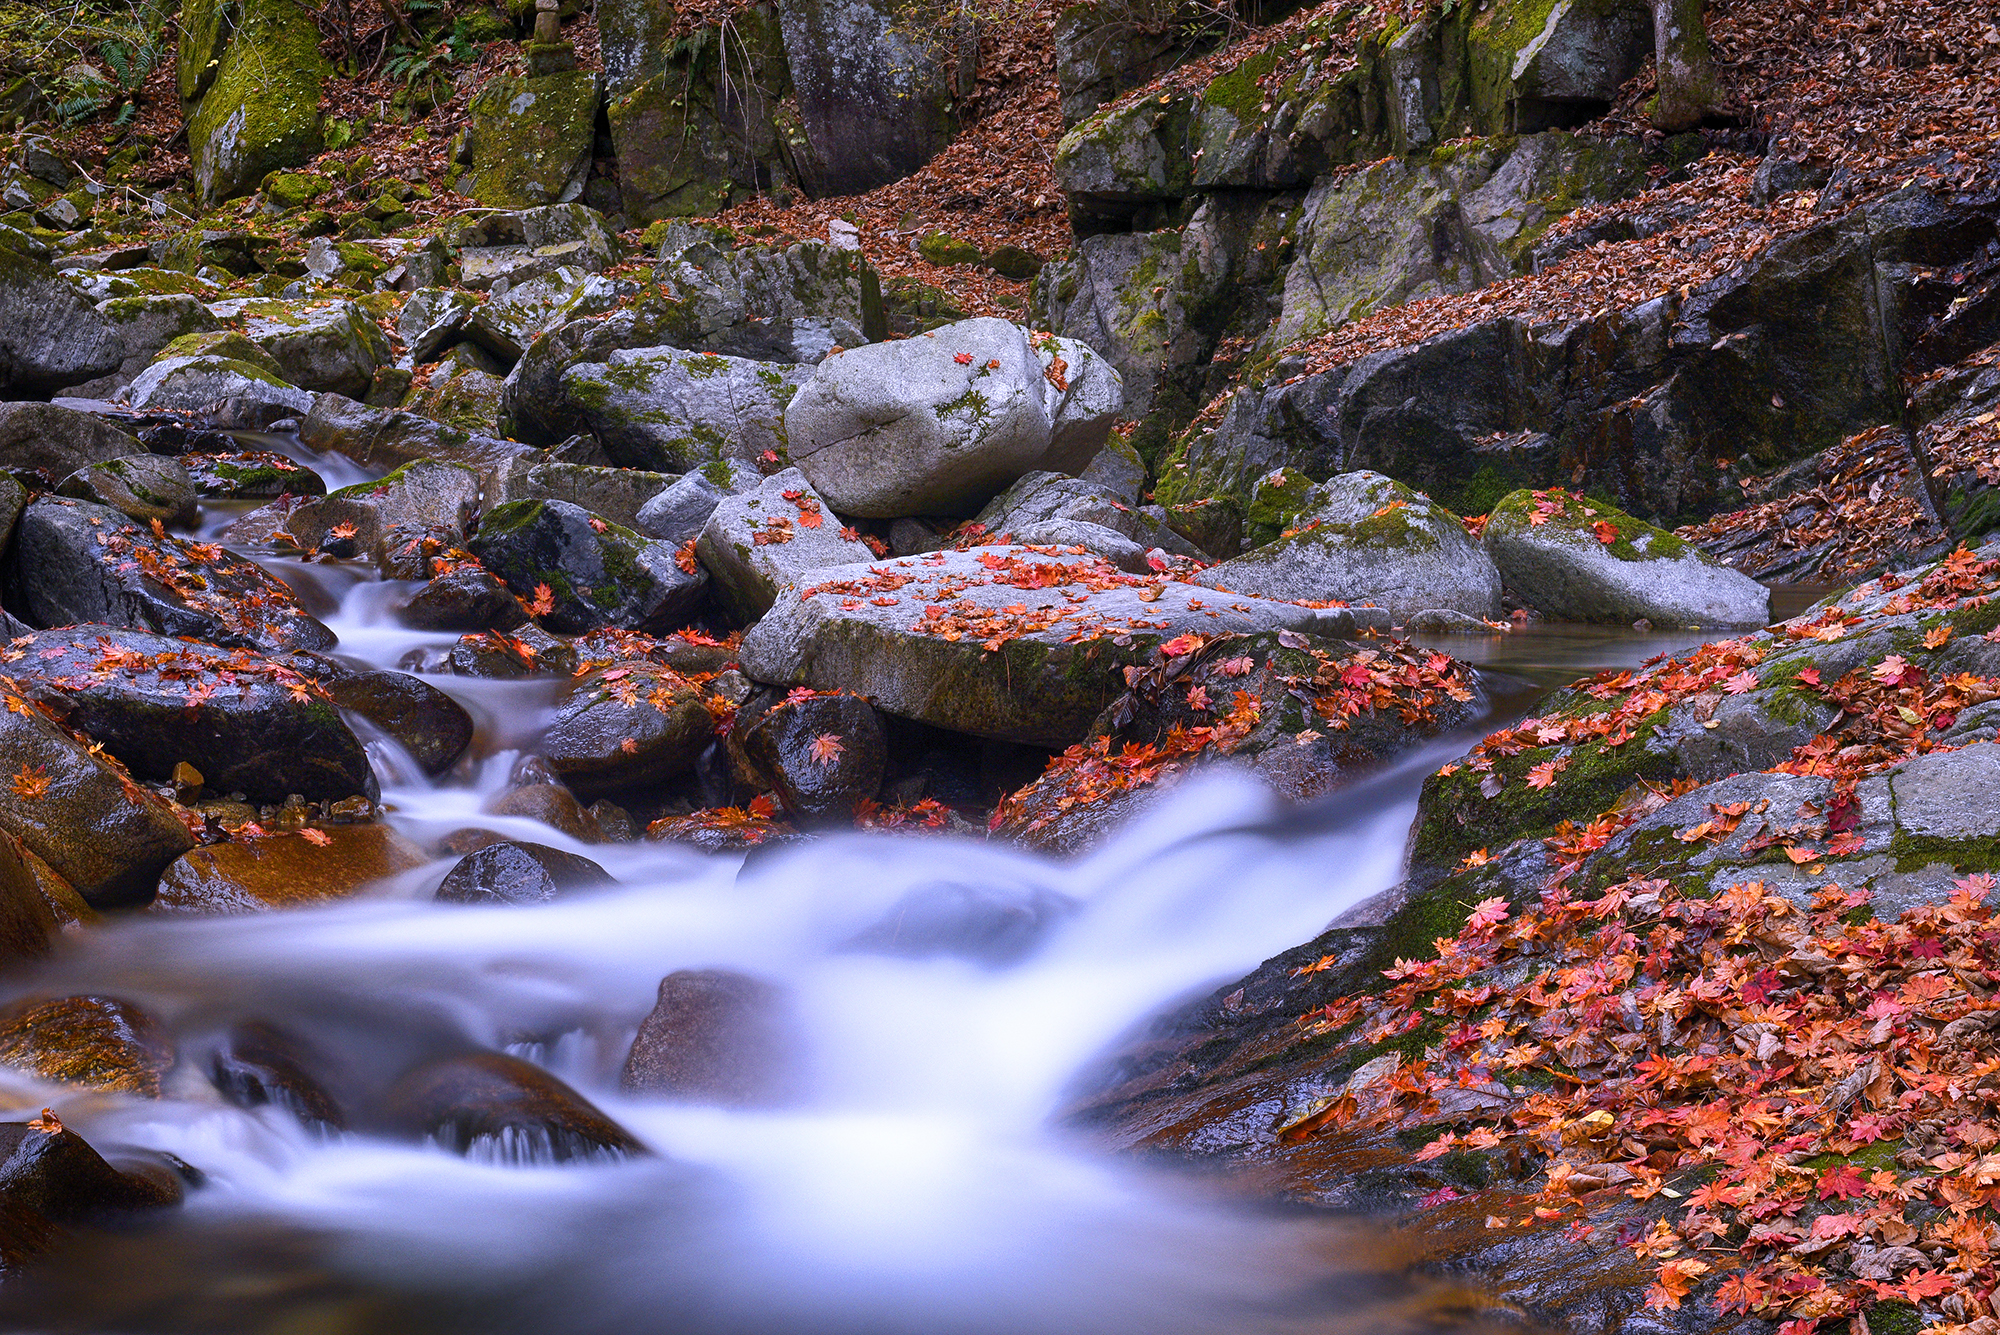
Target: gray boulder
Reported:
[(679, 513), (225, 391), (933, 638), (932, 425), (640, 724), (770, 303), (1364, 538), (1051, 510), (673, 411), (512, 319), (761, 542), (57, 441), (50, 335), (1564, 567), (429, 322), (74, 562), (331, 346), (618, 494), (145, 325), (143, 486), (598, 574)]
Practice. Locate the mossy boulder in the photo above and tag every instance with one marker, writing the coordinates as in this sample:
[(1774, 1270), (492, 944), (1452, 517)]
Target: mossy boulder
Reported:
[(597, 574), (285, 191), (250, 75), (1365, 538), (943, 248), (1582, 559), (144, 487), (529, 139), (422, 496), (672, 411), (1534, 64)]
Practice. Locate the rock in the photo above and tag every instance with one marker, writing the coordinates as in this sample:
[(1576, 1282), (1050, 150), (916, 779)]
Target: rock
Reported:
[(57, 441), (616, 494), (1014, 262), (984, 924), (91, 826), (761, 542), (324, 346), (874, 103), (530, 652), (430, 320), (769, 303), (75, 562), (428, 724), (226, 392), (672, 411), (881, 631), (261, 1064), (249, 475), (598, 574), (513, 872), (52, 336), (551, 804), (700, 131), (1100, 52), (468, 599), (1564, 568), (285, 871), (824, 755), (252, 725), (145, 487), (528, 140), (47, 1168), (633, 37), (532, 304), (1050, 510), (944, 249), (715, 1037), (96, 1042), (528, 244), (425, 494), (628, 726), (931, 425), (1365, 538), (1214, 525), (1535, 67), (1119, 470), (249, 77), (145, 325), (496, 1108), (27, 916)]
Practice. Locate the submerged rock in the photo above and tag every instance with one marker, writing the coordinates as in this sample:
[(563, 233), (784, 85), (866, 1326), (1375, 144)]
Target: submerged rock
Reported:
[(431, 726), (260, 1064), (497, 1108), (1583, 560), (97, 1042), (715, 1037), (516, 872), (303, 869)]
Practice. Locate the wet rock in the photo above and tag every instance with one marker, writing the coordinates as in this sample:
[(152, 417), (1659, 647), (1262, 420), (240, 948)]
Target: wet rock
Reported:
[(528, 140), (285, 871), (52, 336), (254, 725), (824, 755), (715, 1037), (384, 439), (50, 1169), (1563, 567), (979, 923), (672, 411), (680, 512), (493, 1107), (723, 832), (106, 837), (761, 542), (598, 574), (934, 425), (97, 1042), (423, 495), (249, 475), (424, 721), (530, 652), (625, 726), (144, 487), (553, 805), (227, 392), (465, 599), (57, 441), (914, 639), (27, 920), (875, 102), (616, 494), (323, 346), (261, 1065), (1365, 538), (515, 872)]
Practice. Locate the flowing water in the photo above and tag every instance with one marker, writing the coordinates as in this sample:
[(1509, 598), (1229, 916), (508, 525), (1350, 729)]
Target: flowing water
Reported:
[(917, 1187)]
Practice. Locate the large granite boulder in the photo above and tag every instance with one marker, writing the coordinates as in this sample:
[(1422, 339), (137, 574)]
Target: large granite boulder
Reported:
[(322, 346), (57, 441), (1580, 559), (999, 642), (758, 543), (673, 411), (50, 335), (225, 391), (249, 73)]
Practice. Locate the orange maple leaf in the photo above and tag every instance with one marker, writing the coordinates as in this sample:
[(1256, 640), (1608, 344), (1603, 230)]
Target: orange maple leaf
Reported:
[(319, 838), (31, 783), (544, 601), (826, 748), (963, 358)]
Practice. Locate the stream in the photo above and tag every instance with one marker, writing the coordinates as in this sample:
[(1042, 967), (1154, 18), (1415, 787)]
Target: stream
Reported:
[(917, 1184)]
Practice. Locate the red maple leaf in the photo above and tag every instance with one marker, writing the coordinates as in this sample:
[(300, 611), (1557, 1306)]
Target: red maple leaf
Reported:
[(963, 358), (826, 749)]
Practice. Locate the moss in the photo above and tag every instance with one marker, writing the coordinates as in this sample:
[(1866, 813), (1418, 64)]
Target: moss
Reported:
[(509, 518), (1915, 852), (1977, 619), (261, 110), (1581, 515), (1895, 1317), (1276, 501), (1239, 91), (972, 403)]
